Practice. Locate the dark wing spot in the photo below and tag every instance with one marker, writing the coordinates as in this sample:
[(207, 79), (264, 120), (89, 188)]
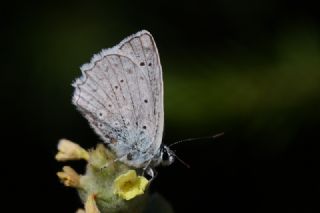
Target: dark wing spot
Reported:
[(146, 100), (150, 64), (142, 64), (100, 114), (109, 105), (129, 156), (116, 87), (121, 81), (144, 127)]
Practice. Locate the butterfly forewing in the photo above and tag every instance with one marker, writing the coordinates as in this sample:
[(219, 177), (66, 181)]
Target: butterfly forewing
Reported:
[(120, 92)]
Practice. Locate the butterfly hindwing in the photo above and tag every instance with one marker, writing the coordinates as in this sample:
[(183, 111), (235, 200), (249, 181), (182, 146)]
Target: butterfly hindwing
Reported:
[(121, 95)]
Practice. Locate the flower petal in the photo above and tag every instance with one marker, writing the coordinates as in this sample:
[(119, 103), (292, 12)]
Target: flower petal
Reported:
[(69, 177), (129, 185), (90, 205), (69, 150)]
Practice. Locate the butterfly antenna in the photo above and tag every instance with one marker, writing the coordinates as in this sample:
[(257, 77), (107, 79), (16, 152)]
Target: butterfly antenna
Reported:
[(180, 160), (196, 139)]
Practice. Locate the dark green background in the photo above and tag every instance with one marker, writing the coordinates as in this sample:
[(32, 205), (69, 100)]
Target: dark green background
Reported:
[(248, 68)]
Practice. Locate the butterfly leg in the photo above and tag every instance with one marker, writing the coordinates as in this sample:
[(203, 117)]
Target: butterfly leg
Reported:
[(149, 171), (152, 173)]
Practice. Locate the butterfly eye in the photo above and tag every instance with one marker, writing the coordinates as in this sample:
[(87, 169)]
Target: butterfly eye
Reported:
[(165, 156)]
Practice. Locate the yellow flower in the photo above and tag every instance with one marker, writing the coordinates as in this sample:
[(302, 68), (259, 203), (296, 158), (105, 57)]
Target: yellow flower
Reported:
[(90, 205), (69, 150), (69, 177), (129, 185)]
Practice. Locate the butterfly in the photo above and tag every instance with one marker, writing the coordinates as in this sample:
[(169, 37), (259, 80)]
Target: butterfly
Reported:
[(120, 93)]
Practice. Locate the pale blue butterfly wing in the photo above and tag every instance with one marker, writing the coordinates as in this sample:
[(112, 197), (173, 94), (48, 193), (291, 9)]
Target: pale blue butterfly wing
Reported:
[(120, 93)]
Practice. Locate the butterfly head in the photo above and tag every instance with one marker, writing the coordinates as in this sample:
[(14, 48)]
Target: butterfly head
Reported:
[(167, 156)]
